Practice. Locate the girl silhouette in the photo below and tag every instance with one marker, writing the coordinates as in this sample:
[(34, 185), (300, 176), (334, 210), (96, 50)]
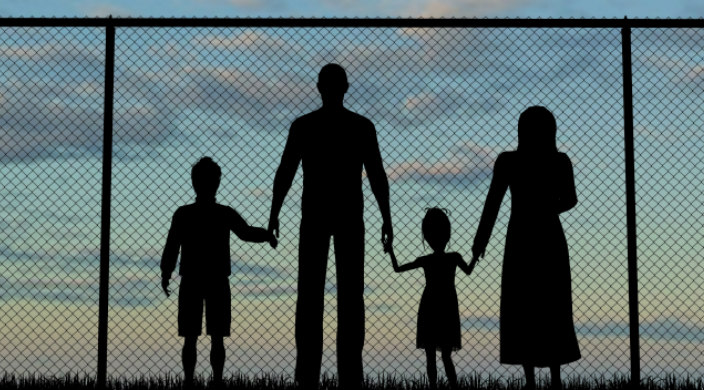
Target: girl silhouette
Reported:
[(537, 329), (438, 314)]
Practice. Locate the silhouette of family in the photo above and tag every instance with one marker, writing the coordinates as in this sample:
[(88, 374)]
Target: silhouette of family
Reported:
[(334, 145)]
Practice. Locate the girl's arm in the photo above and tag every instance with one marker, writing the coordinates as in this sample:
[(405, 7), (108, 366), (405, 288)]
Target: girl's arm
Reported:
[(467, 268), (404, 267)]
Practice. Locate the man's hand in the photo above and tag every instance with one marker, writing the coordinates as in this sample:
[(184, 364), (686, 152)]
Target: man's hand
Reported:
[(273, 242), (165, 286), (387, 236), (274, 226)]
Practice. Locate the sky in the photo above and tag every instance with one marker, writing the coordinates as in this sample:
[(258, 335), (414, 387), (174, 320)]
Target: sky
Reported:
[(361, 8), (182, 93)]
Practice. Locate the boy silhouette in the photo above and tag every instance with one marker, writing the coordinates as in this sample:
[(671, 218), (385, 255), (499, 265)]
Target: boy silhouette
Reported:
[(201, 231)]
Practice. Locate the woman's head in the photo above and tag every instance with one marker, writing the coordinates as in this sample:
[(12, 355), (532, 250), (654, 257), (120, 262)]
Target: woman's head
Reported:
[(537, 130), (436, 228)]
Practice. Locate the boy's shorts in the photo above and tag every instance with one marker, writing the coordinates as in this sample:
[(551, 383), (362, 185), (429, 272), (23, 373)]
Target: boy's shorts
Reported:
[(215, 293)]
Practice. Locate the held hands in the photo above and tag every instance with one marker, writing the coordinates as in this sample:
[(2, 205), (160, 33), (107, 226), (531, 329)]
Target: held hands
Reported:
[(273, 242), (387, 237), (477, 253), (274, 226), (273, 229)]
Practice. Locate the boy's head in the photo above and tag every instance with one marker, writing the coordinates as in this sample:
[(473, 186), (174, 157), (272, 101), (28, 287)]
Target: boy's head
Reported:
[(436, 228), (205, 177)]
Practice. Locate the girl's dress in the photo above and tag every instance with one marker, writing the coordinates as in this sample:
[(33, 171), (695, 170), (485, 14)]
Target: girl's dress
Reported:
[(537, 327), (438, 314)]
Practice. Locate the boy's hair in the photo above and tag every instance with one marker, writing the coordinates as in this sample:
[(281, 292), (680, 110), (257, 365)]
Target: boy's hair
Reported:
[(205, 176), (436, 226)]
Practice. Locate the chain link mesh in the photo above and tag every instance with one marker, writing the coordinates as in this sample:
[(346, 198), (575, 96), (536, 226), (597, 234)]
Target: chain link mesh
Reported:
[(445, 102)]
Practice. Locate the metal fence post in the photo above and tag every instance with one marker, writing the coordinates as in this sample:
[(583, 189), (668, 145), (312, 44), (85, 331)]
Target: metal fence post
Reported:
[(631, 208), (105, 207)]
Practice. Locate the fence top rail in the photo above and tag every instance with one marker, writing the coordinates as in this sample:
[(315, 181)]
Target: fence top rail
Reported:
[(353, 22)]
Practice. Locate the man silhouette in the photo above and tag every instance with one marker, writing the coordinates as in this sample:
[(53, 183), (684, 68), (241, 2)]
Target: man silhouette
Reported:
[(333, 145)]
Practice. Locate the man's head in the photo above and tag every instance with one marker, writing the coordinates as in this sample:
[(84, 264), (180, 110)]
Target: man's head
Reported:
[(205, 176), (332, 83)]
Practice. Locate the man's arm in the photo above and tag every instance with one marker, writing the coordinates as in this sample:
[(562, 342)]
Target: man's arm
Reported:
[(290, 160), (170, 255), (380, 186)]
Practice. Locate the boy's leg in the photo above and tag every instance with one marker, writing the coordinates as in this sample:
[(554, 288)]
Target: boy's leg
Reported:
[(449, 367), (188, 357), (432, 368), (218, 317), (217, 357)]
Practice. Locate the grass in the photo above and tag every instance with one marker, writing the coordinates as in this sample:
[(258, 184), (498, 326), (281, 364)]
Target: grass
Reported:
[(475, 382)]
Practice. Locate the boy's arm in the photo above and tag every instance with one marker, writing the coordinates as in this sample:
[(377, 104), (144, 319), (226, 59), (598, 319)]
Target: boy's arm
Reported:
[(248, 233)]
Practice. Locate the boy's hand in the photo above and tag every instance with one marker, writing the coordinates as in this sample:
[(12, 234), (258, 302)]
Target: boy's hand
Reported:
[(273, 242), (165, 286)]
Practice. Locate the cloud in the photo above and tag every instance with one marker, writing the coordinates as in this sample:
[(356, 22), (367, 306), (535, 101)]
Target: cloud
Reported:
[(52, 102), (465, 163), (104, 9), (665, 329), (459, 8)]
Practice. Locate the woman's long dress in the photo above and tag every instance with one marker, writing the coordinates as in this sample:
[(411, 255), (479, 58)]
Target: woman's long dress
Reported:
[(536, 324)]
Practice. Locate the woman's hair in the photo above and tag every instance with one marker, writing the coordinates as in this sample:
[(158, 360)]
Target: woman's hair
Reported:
[(537, 130), (205, 176), (436, 227)]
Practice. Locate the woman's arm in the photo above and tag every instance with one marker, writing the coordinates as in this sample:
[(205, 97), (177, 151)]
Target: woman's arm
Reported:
[(497, 189), (567, 197)]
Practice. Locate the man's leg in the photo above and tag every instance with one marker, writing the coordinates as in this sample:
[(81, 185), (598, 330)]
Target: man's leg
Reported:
[(188, 357), (349, 263), (217, 358), (312, 265)]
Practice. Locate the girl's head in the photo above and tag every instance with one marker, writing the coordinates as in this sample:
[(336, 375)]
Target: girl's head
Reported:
[(436, 228), (537, 130)]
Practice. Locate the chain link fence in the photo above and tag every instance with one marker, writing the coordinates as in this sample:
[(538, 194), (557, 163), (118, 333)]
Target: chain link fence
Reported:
[(445, 102)]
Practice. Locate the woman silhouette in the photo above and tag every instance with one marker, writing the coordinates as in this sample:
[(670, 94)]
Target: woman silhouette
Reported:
[(536, 325)]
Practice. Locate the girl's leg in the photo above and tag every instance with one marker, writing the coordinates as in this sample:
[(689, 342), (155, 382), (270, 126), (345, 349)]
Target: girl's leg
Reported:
[(449, 367), (530, 376), (432, 368), (555, 377)]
